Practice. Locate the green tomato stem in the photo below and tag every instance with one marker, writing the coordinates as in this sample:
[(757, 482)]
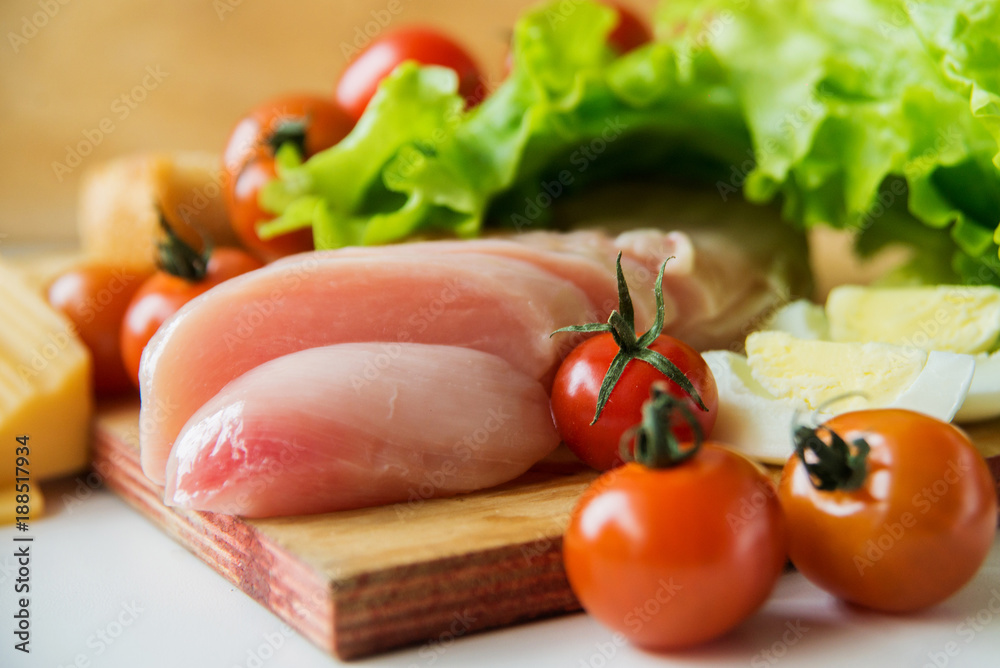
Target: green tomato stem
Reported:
[(178, 258), (621, 325), (834, 465), (656, 445)]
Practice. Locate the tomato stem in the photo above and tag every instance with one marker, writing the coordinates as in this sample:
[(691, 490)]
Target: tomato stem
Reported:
[(621, 325), (656, 445), (178, 258), (834, 465), (289, 131)]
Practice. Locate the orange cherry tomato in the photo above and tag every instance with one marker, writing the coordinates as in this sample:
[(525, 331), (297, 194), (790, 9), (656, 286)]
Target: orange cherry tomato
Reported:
[(427, 46), (677, 556), (917, 527), (163, 294), (95, 298), (310, 123)]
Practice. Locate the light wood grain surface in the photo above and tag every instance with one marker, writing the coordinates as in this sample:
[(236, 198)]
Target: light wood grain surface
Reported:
[(214, 60)]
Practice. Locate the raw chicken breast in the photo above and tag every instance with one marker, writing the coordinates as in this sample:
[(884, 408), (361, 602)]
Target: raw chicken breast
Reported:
[(498, 305), (711, 287), (594, 273), (356, 425)]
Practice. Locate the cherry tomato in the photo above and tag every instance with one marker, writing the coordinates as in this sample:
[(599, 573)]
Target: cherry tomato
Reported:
[(163, 294), (676, 556), (358, 83), (917, 527), (312, 124), (578, 382), (630, 32), (94, 298)]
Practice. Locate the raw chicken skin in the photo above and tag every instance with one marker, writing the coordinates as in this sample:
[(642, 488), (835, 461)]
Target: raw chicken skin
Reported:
[(494, 304), (356, 425)]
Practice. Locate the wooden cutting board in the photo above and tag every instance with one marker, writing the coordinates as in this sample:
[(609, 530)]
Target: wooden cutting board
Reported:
[(364, 581)]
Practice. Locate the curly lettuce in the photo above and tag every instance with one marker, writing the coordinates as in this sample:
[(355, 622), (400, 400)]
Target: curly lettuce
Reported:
[(881, 116)]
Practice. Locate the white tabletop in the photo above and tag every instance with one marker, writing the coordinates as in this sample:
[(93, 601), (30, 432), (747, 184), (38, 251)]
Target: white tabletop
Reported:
[(108, 589)]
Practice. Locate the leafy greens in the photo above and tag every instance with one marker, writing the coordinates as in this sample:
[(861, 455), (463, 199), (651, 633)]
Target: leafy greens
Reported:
[(878, 115)]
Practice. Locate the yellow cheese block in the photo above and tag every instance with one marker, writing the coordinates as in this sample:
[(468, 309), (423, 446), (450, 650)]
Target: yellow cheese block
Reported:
[(45, 385), (956, 318)]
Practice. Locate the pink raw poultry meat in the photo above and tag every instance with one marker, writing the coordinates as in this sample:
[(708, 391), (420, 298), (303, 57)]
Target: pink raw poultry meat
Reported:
[(712, 287), (494, 304), (356, 425), (512, 293)]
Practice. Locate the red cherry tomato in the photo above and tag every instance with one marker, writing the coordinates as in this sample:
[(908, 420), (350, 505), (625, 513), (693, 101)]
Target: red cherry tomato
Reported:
[(163, 294), (358, 83), (578, 382), (312, 124), (630, 32), (95, 298), (916, 527), (672, 557)]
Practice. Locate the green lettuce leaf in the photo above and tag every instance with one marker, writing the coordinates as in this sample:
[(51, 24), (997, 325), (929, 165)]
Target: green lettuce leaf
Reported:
[(882, 116)]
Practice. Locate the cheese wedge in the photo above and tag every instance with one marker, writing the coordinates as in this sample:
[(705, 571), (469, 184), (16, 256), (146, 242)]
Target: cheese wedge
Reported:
[(45, 385)]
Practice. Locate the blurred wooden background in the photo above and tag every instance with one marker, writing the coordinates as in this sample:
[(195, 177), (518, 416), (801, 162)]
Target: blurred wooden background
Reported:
[(66, 67)]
